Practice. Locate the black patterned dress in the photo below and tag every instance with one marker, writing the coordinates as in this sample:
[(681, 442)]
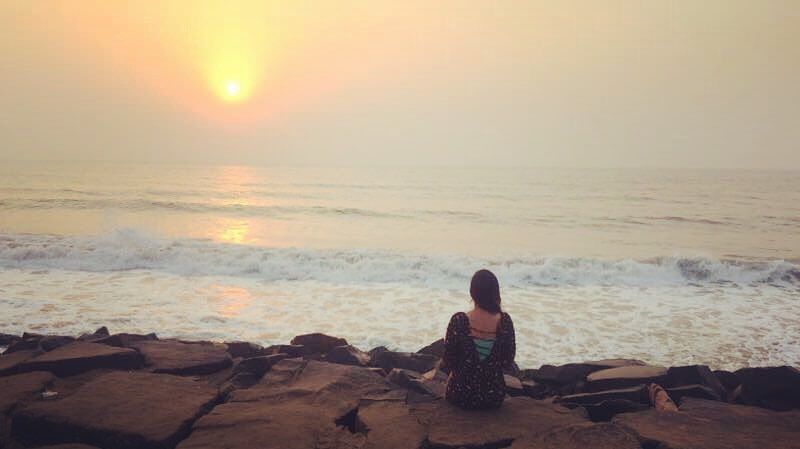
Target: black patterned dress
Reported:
[(476, 383)]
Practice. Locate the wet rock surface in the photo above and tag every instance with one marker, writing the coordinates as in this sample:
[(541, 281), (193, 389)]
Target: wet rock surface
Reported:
[(79, 357), (321, 394), (714, 425), (18, 388), (118, 409), (185, 359)]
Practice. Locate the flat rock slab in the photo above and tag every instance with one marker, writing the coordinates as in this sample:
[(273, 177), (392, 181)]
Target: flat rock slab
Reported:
[(518, 417), (183, 359), (634, 394), (10, 362), (67, 446), (389, 425), (79, 357), (702, 424), (298, 404), (20, 387), (624, 377), (118, 410), (581, 436)]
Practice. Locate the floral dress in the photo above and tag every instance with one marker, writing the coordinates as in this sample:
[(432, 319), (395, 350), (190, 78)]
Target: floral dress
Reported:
[(476, 383)]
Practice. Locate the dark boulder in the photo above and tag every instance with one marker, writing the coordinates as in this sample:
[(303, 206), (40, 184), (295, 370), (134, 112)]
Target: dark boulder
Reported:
[(318, 343), (101, 332), (258, 366), (436, 348), (68, 446), (634, 394), (713, 425), (32, 336), (413, 381), (51, 342), (26, 344), (139, 411), (694, 391), (244, 349), (7, 339), (728, 379), (776, 388), (10, 362), (125, 340), (389, 360), (290, 350), (624, 377), (79, 357), (348, 355), (535, 390), (572, 373), (183, 359), (21, 387), (678, 376)]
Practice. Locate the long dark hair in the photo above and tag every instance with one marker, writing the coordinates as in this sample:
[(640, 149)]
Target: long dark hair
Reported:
[(485, 291)]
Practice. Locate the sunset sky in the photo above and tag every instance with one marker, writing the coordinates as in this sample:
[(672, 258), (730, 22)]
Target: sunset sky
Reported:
[(561, 83)]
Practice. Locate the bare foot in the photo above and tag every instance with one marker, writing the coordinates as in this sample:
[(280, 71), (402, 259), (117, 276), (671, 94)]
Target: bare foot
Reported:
[(660, 400)]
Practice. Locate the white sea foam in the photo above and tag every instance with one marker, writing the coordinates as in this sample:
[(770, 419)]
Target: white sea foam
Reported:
[(129, 249)]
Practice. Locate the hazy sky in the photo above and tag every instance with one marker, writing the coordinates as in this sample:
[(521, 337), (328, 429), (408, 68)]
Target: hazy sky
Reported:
[(687, 83)]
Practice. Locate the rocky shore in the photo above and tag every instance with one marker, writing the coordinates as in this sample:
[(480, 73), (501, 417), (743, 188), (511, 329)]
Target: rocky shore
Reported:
[(128, 391)]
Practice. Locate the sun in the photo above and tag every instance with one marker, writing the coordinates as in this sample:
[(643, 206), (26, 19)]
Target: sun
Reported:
[(232, 90)]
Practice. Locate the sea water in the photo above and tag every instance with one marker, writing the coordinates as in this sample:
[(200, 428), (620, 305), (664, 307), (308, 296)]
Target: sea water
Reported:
[(668, 266)]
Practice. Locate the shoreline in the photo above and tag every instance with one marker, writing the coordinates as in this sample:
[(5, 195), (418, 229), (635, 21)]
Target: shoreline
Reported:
[(318, 389)]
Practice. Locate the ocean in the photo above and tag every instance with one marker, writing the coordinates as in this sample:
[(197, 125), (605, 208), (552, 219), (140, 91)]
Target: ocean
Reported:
[(667, 266)]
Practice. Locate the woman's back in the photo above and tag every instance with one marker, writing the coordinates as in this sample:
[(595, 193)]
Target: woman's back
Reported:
[(475, 356)]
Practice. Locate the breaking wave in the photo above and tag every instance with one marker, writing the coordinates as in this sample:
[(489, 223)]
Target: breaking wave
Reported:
[(129, 249)]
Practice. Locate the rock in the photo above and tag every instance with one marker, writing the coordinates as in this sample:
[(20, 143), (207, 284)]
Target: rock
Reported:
[(290, 350), (258, 366), (517, 418), (624, 377), (533, 389), (139, 411), (633, 394), (318, 343), (20, 387), (51, 342), (96, 335), (7, 339), (436, 348), (32, 336), (513, 386), (412, 380), (183, 359), (694, 375), (10, 362), (713, 425), (240, 380), (80, 357), (348, 355), (390, 425), (68, 446), (695, 391), (125, 340), (244, 349), (389, 360), (28, 344), (581, 436), (728, 379), (572, 373), (299, 404), (776, 388), (605, 410)]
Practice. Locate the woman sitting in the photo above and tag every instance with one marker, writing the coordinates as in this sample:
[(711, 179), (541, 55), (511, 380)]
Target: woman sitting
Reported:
[(478, 345)]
